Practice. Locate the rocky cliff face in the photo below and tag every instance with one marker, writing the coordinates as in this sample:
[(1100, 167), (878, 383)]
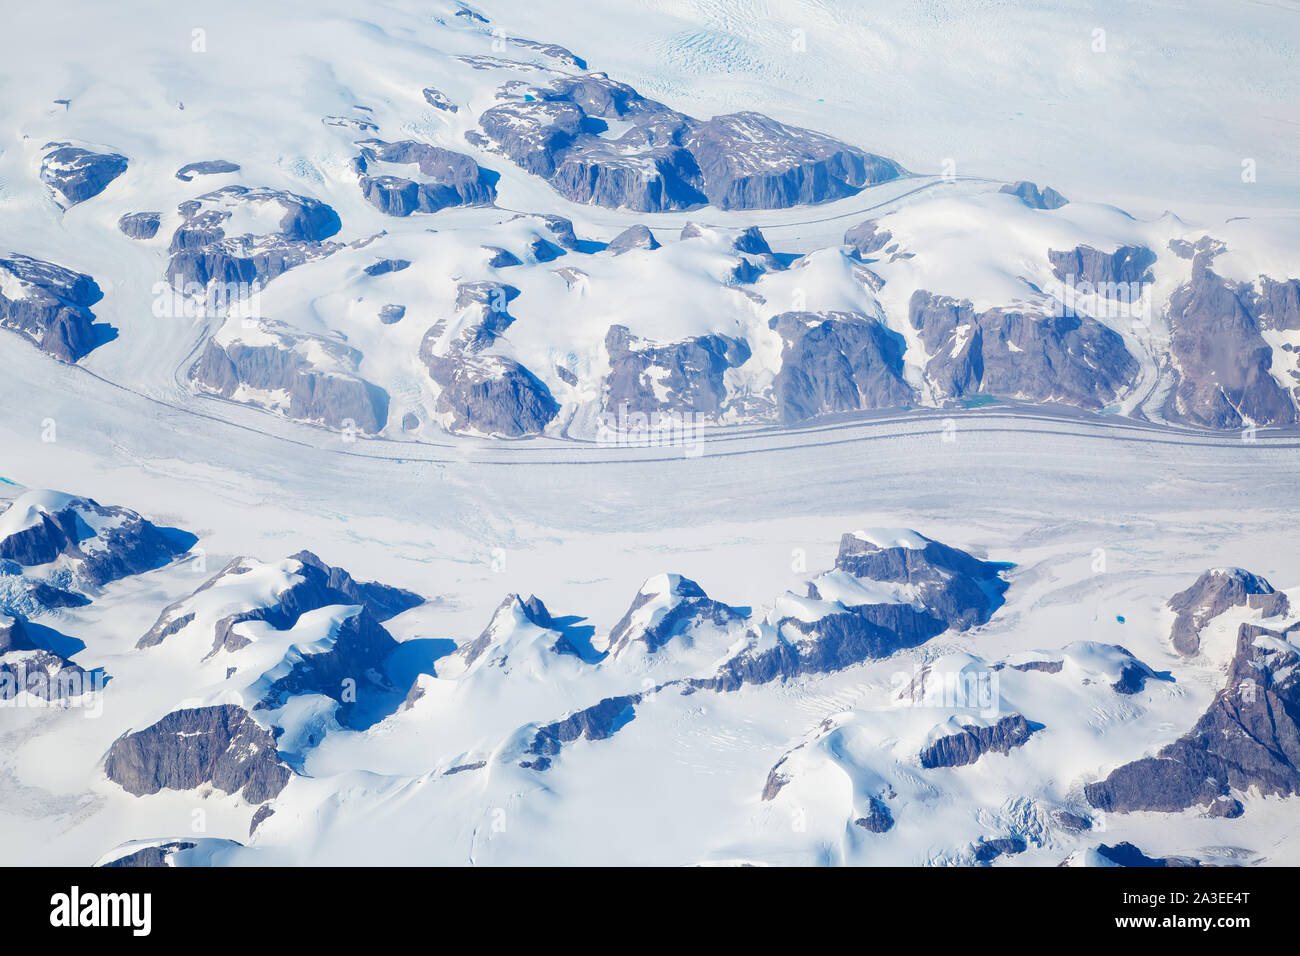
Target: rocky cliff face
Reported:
[(633, 237), (1031, 196), (492, 395), (890, 589), (350, 668), (750, 161), (94, 543), (140, 225), (1071, 359), (836, 362), (49, 305), (1222, 364), (666, 160), (28, 668), (682, 376), (597, 722), (313, 585), (202, 253), (449, 178), (1248, 738), (275, 371), (79, 174), (206, 167), (222, 746), (1127, 264), (1210, 595), (483, 392), (974, 741)]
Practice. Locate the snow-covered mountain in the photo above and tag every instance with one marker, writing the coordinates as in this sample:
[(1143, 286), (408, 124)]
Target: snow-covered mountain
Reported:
[(585, 351)]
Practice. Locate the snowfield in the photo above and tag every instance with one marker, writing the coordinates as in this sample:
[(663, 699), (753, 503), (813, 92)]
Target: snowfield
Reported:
[(433, 437)]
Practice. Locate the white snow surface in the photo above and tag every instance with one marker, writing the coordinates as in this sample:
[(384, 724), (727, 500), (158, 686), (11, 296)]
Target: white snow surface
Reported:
[(1103, 519)]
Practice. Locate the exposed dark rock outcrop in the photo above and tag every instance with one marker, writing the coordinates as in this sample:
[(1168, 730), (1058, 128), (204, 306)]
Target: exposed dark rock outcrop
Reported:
[(878, 818), (99, 544), (152, 856), (1213, 593), (202, 253), (1278, 304), (543, 250), (492, 395), (1114, 661), (382, 600), (140, 225), (776, 780), (867, 238), (1046, 667), (222, 746), (1126, 854), (46, 675), (449, 178), (1133, 676), (1248, 738), (13, 635), (320, 586), (26, 667), (437, 99), (483, 392), (986, 851), (336, 397), (259, 817), (755, 256), (554, 136), (958, 750), (341, 651), (561, 230), (1029, 194), (1229, 808), (210, 167), (836, 362), (667, 160), (752, 242), (502, 258), (383, 267), (464, 768), (79, 174), (750, 161), (598, 722), (1127, 264), (947, 588), (1221, 362), (961, 589), (349, 672), (531, 611), (683, 376), (552, 51), (633, 237), (1073, 821), (1070, 359), (49, 305)]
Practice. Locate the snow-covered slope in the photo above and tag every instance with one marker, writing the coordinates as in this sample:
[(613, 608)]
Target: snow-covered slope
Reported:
[(584, 341)]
